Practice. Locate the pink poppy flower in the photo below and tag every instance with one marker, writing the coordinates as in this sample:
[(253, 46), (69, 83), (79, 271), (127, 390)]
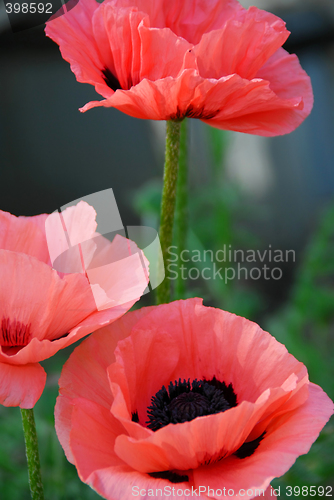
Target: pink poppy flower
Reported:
[(187, 397), (41, 310), (163, 60)]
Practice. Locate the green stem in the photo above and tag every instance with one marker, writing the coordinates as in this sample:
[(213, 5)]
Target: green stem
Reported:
[(34, 468), (181, 214), (168, 202)]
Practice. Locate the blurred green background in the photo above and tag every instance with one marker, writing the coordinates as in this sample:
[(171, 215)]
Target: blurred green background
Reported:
[(248, 192)]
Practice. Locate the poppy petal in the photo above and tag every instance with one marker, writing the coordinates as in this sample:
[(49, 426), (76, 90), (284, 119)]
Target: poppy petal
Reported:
[(74, 34), (121, 27), (164, 45), (187, 20), (144, 352), (50, 305), (252, 107), (70, 236), (118, 274), (21, 385), (21, 234), (287, 79), (83, 368), (123, 483), (92, 437), (242, 46), (291, 436)]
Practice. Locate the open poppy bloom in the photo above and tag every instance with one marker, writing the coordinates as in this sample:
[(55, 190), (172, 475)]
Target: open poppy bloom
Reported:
[(42, 310), (187, 397), (163, 60)]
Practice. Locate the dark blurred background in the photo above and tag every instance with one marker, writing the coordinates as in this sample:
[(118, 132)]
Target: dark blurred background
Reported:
[(51, 153)]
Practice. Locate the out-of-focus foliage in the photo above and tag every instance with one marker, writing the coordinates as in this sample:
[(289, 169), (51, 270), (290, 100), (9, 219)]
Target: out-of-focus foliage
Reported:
[(306, 326), (306, 323)]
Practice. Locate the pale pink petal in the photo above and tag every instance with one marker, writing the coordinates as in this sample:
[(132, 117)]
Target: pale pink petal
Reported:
[(114, 58), (98, 320), (138, 356), (50, 305), (38, 220), (269, 493), (65, 231), (85, 375), (74, 34), (70, 306), (20, 234), (92, 437), (242, 46), (191, 20), (163, 45), (121, 409), (118, 272), (287, 79), (273, 113), (188, 19), (38, 350), (121, 26), (275, 102), (121, 483), (63, 421), (233, 102), (103, 46), (79, 222), (21, 385)]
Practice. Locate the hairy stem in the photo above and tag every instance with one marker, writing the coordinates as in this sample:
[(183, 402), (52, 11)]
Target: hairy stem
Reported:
[(181, 214), (168, 202), (34, 468)]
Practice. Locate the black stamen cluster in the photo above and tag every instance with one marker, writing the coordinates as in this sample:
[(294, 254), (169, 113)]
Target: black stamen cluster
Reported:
[(183, 401)]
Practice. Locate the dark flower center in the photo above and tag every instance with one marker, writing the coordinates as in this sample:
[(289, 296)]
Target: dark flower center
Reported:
[(184, 401), (193, 112), (111, 79), (14, 333)]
